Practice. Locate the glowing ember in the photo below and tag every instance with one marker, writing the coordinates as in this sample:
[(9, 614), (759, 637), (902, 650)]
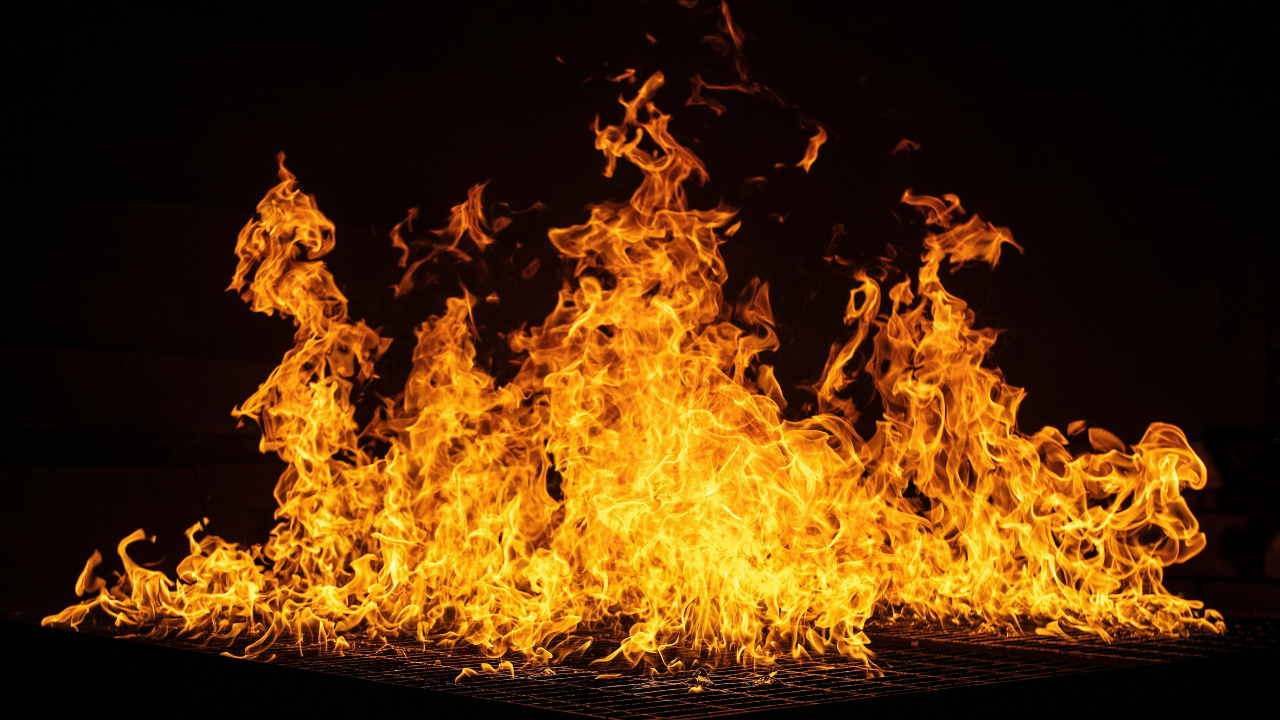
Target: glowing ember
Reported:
[(693, 515)]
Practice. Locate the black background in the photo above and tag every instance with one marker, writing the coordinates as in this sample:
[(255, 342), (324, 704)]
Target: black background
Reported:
[(1129, 152)]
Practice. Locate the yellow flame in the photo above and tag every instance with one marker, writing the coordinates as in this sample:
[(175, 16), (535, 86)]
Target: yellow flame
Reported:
[(693, 515)]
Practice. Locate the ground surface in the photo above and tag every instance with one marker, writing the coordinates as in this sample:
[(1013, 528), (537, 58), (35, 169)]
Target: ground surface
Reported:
[(919, 670)]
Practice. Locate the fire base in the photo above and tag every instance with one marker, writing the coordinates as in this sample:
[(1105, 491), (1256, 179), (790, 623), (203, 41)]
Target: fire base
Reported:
[(911, 662)]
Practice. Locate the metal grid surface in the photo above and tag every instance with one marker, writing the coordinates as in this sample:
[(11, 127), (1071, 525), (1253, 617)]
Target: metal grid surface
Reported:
[(909, 660)]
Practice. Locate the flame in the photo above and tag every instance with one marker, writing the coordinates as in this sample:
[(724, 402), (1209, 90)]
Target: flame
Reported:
[(904, 145), (811, 153), (694, 517)]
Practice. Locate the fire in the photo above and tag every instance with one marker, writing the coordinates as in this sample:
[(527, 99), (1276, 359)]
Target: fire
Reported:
[(694, 516), (811, 153)]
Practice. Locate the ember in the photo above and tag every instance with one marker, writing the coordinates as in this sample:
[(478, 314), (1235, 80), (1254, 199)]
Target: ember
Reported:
[(693, 515)]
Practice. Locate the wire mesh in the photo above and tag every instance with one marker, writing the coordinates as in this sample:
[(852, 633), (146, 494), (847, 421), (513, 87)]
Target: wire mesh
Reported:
[(909, 659)]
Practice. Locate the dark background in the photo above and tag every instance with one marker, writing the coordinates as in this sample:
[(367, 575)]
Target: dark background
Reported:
[(1128, 151)]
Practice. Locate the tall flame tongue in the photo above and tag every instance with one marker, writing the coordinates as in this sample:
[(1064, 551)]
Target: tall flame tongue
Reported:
[(693, 517)]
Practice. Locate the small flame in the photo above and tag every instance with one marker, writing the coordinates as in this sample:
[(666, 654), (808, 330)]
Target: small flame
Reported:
[(811, 153), (905, 145)]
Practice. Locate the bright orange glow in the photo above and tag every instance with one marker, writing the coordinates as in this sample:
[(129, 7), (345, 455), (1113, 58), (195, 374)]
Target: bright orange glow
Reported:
[(693, 514)]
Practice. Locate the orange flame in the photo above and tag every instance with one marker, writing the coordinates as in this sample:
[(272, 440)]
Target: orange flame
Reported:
[(905, 145), (811, 153), (693, 515), (697, 98)]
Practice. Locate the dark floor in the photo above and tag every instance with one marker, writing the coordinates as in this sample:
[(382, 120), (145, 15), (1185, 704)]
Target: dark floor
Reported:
[(918, 670)]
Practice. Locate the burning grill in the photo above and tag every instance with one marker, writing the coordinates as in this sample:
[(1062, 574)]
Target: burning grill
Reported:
[(910, 660), (638, 474)]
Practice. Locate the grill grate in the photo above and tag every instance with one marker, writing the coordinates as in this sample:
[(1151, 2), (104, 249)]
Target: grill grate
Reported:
[(909, 660)]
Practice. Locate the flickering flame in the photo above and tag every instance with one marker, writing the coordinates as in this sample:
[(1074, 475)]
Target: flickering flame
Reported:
[(694, 516), (811, 153), (905, 145)]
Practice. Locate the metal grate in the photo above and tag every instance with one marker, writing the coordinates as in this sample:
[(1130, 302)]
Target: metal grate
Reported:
[(909, 660)]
